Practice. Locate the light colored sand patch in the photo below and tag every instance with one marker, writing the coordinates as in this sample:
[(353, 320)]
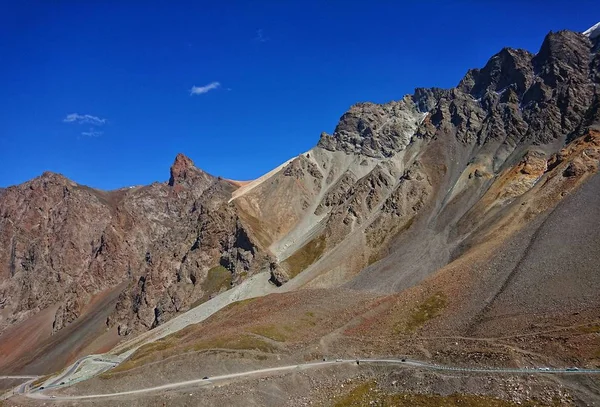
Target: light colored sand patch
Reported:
[(253, 184), (239, 183)]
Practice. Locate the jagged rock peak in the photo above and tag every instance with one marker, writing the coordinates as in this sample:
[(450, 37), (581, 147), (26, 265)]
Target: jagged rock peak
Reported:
[(562, 54), (374, 130), (183, 169), (54, 178), (427, 98), (563, 45), (508, 67), (182, 160), (51, 174)]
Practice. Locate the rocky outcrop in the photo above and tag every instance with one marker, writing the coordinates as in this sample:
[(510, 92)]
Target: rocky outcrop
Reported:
[(185, 173), (68, 242), (359, 201), (52, 229), (278, 275), (519, 99), (509, 68), (336, 193), (374, 130)]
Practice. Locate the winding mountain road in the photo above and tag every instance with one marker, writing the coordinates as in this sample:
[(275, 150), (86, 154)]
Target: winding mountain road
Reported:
[(71, 370), (37, 394)]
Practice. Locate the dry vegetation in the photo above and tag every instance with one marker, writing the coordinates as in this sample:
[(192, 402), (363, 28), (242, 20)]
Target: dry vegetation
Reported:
[(425, 311), (217, 279), (276, 323), (172, 346), (270, 331), (305, 256), (368, 394)]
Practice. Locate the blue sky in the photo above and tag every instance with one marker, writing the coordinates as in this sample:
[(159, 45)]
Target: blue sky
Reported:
[(101, 91)]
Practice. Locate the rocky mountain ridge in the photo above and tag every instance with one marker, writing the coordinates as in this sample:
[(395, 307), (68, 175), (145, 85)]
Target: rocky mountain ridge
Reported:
[(421, 178), (437, 148), (162, 238)]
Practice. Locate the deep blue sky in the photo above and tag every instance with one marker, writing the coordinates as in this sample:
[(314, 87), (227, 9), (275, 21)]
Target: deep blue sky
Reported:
[(287, 71)]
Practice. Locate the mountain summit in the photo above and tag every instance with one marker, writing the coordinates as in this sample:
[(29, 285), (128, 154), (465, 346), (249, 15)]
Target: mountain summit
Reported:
[(183, 171)]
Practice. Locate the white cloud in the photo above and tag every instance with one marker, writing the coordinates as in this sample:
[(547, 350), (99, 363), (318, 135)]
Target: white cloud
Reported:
[(260, 36), (92, 133), (84, 118), (199, 90)]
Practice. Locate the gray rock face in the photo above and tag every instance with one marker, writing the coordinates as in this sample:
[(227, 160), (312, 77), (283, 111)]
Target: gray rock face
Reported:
[(336, 193), (426, 98), (517, 97), (510, 67), (518, 108), (374, 130), (521, 99)]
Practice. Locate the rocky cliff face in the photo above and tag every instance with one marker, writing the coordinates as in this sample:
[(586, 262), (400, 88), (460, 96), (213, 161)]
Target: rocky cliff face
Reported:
[(373, 130), (67, 242), (429, 157)]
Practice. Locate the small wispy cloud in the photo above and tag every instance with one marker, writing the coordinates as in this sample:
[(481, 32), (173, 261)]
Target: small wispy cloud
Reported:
[(260, 36), (92, 121), (92, 133), (84, 118), (199, 90)]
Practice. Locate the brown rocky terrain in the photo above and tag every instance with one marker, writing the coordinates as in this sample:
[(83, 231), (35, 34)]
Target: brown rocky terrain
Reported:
[(166, 245), (458, 226)]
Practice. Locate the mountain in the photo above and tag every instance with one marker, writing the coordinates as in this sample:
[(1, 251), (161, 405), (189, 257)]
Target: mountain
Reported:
[(156, 249), (454, 225), (431, 163)]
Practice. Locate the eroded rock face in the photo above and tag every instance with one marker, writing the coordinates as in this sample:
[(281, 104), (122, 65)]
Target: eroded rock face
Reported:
[(359, 201), (521, 98), (510, 67), (374, 130), (68, 242), (52, 228), (498, 127), (184, 172)]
